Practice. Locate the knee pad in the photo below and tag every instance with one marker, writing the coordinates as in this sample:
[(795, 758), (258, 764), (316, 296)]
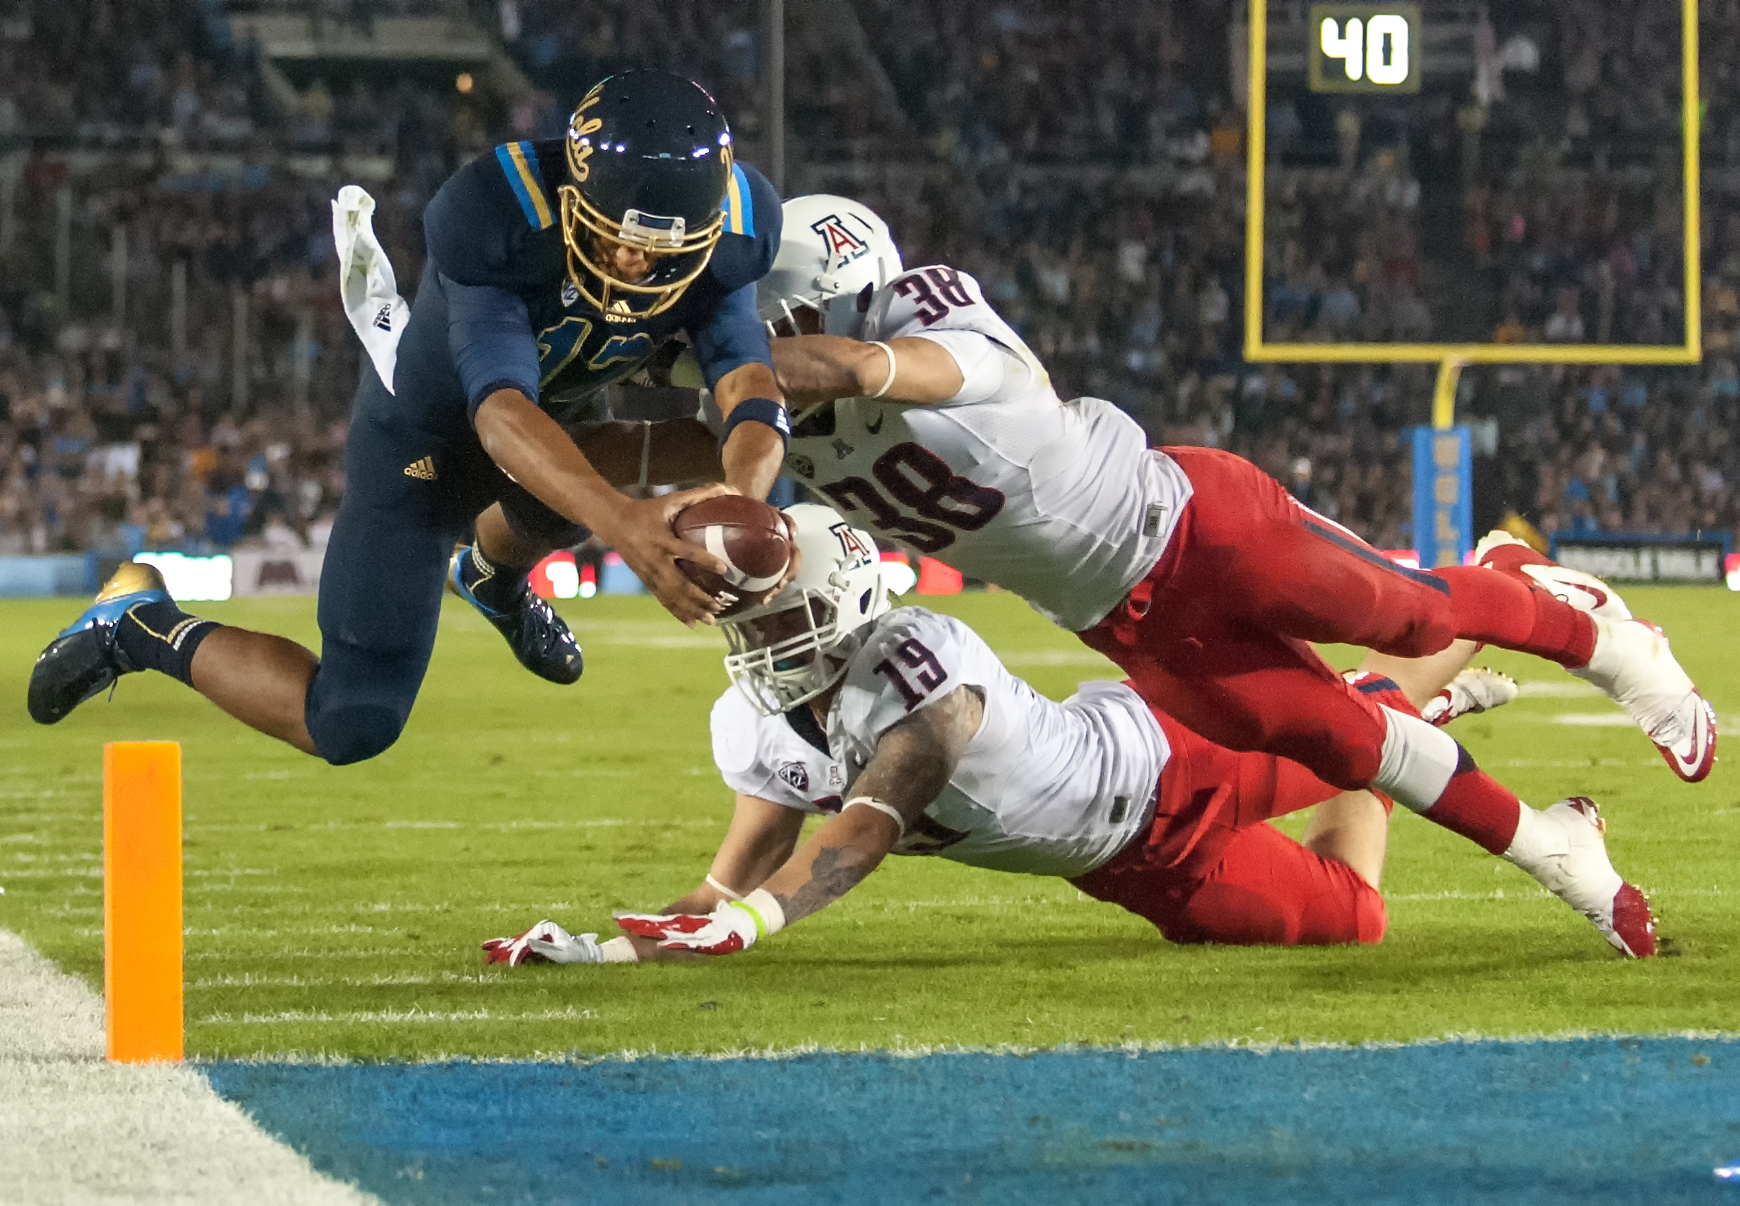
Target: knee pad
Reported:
[(354, 733)]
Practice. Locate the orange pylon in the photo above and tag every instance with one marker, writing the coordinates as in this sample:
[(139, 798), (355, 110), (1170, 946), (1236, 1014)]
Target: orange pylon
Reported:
[(142, 948)]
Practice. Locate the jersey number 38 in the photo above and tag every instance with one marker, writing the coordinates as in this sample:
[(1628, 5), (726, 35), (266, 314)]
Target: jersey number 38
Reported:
[(945, 504)]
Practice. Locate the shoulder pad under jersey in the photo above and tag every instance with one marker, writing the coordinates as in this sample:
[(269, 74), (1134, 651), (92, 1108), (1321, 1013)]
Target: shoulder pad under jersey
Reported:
[(935, 297), (496, 221), (753, 221)]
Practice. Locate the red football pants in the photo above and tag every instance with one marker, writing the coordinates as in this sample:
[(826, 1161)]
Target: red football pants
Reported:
[(1218, 635), (1211, 870)]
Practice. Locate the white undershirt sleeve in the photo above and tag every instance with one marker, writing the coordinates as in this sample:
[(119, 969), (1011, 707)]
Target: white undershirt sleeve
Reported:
[(988, 369)]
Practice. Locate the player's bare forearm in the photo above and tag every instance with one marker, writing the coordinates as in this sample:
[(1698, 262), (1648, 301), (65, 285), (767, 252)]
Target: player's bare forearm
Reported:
[(677, 450), (910, 768), (821, 368), (761, 838), (753, 453), (534, 450), (843, 852)]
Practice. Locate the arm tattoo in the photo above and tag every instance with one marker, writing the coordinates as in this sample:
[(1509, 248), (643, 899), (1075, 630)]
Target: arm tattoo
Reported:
[(912, 765), (915, 759), (836, 871)]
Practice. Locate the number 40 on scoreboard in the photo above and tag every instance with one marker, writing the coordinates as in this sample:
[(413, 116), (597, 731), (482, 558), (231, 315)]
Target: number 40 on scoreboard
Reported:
[(1365, 48)]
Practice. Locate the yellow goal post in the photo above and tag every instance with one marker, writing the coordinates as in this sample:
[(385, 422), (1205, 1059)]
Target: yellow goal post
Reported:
[(1452, 357)]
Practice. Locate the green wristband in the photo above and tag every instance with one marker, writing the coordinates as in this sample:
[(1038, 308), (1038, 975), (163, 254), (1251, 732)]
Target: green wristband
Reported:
[(760, 925)]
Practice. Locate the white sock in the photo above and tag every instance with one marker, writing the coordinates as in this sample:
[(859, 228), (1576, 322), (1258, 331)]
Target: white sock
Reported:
[(1419, 760), (1536, 843)]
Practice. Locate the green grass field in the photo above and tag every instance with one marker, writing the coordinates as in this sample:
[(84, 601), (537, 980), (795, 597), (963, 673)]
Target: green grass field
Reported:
[(337, 912)]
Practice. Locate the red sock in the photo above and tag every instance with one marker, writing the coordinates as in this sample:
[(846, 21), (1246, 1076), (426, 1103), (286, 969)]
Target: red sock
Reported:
[(1478, 807), (1494, 607)]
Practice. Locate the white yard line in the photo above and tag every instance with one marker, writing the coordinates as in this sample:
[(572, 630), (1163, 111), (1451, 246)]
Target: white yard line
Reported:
[(76, 1129)]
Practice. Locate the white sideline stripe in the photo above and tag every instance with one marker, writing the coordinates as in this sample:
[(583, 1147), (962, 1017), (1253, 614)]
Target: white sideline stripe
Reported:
[(77, 1129)]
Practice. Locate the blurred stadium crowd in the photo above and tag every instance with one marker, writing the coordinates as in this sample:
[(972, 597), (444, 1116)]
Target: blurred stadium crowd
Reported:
[(175, 371)]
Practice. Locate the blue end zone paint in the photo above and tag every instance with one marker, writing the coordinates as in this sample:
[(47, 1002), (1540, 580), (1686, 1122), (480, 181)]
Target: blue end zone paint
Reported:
[(1596, 1121)]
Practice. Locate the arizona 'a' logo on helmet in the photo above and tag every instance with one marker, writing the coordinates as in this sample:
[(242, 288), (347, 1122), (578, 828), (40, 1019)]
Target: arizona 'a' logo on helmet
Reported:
[(854, 551), (841, 243), (649, 163)]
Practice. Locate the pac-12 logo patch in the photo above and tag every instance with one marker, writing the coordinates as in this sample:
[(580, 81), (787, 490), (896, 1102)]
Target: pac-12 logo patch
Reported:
[(794, 776), (570, 293), (843, 244)]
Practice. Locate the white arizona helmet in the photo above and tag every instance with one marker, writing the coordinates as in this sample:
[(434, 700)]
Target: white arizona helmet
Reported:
[(795, 646), (830, 248)]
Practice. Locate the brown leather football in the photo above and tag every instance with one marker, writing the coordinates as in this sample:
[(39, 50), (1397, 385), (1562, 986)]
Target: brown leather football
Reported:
[(748, 536)]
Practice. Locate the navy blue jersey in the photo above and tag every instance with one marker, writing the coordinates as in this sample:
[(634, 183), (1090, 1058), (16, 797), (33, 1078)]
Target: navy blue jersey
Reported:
[(513, 319)]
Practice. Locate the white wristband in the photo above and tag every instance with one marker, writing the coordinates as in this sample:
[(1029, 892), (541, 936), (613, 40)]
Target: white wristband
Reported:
[(881, 806), (769, 915), (888, 384), (645, 452), (720, 888)]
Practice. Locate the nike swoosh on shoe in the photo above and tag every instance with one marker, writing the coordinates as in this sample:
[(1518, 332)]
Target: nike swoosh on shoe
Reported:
[(1694, 757)]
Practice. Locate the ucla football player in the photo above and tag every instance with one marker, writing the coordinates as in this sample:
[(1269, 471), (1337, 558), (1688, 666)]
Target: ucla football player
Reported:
[(554, 269)]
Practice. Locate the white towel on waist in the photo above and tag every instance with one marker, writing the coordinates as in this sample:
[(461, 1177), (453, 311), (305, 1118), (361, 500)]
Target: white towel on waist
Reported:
[(365, 281)]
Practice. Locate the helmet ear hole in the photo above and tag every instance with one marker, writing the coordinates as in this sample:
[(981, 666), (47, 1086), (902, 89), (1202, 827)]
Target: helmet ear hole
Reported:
[(864, 296), (864, 602)]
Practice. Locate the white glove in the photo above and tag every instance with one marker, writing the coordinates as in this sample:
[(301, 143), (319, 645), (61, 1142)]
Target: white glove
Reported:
[(548, 942)]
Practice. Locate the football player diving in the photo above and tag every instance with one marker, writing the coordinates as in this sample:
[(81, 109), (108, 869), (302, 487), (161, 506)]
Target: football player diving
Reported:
[(554, 269), (905, 732)]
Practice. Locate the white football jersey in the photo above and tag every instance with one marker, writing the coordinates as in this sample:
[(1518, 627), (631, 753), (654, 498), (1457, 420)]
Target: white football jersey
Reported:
[(1061, 502), (1043, 788)]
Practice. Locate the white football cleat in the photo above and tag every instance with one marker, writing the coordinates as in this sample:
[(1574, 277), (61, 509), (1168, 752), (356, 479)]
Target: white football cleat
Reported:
[(1637, 670), (1476, 689), (1500, 550), (1565, 850)]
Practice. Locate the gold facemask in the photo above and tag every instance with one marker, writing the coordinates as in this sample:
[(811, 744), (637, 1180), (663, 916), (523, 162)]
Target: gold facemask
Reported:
[(679, 255)]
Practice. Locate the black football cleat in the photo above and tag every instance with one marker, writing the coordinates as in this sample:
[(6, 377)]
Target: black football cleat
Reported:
[(538, 636), (84, 659)]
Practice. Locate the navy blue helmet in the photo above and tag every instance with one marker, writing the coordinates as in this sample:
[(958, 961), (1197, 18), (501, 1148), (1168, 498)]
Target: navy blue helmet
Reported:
[(649, 163)]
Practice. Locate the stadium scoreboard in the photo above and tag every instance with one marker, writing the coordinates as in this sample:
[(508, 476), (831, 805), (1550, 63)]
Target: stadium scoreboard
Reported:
[(1364, 48)]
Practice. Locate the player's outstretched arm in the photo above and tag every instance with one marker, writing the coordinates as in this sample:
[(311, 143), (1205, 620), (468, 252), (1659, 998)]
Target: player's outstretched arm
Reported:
[(753, 452), (532, 448), (911, 766), (761, 838), (821, 368)]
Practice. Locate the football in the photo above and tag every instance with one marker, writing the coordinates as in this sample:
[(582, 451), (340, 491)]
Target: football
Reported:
[(748, 536)]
